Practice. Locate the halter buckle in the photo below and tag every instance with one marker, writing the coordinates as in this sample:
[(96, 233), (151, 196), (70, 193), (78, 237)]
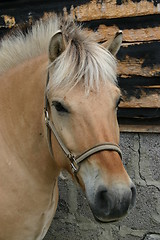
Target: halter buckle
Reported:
[(46, 116), (74, 165)]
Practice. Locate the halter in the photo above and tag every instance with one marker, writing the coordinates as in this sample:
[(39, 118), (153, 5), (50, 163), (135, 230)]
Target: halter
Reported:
[(74, 160)]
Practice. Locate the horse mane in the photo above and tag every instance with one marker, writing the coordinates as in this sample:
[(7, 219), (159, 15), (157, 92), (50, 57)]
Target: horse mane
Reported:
[(26, 42), (83, 57)]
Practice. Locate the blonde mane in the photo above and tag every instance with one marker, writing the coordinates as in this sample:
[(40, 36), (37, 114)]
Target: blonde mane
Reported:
[(83, 57)]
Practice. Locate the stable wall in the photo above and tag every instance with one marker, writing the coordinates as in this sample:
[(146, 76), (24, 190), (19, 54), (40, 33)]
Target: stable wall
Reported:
[(74, 220)]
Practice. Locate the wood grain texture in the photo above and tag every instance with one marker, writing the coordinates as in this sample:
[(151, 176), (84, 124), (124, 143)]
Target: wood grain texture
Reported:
[(137, 128), (130, 35), (138, 58), (115, 9), (141, 98)]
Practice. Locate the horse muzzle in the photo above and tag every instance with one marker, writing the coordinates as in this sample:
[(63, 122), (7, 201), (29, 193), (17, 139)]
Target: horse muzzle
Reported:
[(112, 204)]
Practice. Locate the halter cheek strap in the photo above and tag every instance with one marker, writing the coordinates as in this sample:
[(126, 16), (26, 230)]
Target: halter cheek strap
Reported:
[(74, 160)]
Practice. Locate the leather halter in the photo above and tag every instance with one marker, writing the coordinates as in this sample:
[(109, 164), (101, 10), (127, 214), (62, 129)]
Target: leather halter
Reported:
[(74, 160)]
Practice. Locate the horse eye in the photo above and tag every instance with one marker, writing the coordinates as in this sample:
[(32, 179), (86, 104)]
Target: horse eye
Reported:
[(59, 107)]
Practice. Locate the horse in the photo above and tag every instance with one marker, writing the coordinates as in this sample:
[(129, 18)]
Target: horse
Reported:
[(59, 98)]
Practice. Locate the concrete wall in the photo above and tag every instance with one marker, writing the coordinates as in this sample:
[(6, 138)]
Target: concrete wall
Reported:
[(74, 220)]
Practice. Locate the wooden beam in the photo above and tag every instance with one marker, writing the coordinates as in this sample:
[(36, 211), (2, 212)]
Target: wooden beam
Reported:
[(140, 128), (114, 9), (129, 35), (133, 66), (140, 98)]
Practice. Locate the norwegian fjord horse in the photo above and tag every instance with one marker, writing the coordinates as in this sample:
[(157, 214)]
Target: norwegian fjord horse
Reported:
[(58, 110)]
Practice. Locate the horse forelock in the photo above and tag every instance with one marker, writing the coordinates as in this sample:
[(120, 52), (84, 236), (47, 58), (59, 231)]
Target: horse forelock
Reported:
[(83, 60)]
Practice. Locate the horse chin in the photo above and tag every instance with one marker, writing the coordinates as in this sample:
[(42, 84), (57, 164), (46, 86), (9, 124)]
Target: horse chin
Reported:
[(107, 219), (100, 220)]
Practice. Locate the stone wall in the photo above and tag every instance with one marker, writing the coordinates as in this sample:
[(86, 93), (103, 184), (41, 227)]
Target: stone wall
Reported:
[(74, 220)]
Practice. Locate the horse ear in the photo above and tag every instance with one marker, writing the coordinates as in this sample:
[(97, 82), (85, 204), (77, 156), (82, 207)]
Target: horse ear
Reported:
[(113, 45), (56, 45)]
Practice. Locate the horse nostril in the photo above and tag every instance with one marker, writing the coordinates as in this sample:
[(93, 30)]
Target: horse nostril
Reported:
[(103, 198), (110, 204), (133, 191), (102, 201)]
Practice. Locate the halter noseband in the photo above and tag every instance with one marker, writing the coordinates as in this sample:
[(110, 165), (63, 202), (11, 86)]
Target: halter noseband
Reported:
[(74, 160)]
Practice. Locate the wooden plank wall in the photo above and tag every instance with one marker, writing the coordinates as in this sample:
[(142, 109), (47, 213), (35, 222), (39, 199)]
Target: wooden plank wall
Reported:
[(138, 59)]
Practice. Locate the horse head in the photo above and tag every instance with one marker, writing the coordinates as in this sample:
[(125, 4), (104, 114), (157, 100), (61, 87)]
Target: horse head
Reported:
[(82, 100)]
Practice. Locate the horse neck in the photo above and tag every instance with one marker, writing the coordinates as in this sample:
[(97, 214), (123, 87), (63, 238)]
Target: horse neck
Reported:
[(22, 123)]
